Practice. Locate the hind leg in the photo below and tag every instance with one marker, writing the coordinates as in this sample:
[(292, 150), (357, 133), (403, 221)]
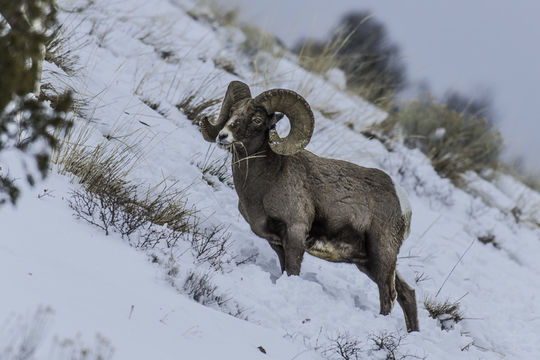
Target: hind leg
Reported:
[(382, 255), (407, 300), (387, 289), (385, 280)]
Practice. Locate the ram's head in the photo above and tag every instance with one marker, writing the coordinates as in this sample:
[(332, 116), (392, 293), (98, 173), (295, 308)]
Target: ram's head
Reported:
[(248, 121)]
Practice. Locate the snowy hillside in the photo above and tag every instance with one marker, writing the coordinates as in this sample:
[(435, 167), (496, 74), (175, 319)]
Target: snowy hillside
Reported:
[(69, 291)]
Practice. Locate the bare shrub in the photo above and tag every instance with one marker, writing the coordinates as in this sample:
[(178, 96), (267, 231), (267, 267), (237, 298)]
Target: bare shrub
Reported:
[(145, 217), (210, 245), (148, 218), (127, 218), (110, 202), (200, 288), (447, 312), (344, 347), (389, 344)]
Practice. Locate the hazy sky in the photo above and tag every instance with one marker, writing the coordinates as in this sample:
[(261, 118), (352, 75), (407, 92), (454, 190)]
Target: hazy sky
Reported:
[(467, 45)]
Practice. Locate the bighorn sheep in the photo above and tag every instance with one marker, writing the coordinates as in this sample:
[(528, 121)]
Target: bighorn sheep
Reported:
[(300, 202)]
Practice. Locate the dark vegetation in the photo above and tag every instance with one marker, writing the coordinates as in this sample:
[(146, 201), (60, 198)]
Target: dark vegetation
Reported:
[(455, 131), (385, 345), (361, 47), (26, 122), (110, 202), (155, 218), (145, 217), (455, 142)]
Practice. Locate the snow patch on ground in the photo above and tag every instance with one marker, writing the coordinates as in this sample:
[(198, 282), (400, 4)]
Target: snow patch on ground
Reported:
[(141, 53)]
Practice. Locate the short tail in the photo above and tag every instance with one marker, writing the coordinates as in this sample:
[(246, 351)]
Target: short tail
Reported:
[(406, 211), (406, 223)]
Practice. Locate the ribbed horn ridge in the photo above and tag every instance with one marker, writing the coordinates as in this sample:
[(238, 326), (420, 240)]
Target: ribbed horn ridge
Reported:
[(236, 91), (300, 116)]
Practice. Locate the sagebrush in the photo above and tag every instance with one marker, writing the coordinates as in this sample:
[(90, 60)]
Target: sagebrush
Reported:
[(454, 142)]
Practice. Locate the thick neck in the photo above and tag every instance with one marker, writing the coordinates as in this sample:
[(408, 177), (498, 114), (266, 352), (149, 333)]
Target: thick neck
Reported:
[(262, 162)]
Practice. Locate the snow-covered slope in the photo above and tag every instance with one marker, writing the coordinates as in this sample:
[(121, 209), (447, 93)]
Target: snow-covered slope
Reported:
[(138, 60), (81, 282)]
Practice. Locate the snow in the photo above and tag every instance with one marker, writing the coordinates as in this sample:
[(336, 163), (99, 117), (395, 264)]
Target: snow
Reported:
[(336, 77), (439, 133), (138, 52), (92, 282)]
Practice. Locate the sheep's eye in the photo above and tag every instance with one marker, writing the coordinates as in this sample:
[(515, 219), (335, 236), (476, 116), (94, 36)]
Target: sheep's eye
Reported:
[(257, 120)]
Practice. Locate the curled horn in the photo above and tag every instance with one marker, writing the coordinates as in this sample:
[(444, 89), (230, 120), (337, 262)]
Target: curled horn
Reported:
[(236, 91), (300, 116)]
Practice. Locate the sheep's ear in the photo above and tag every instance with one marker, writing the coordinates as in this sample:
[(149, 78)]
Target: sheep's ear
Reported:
[(274, 119)]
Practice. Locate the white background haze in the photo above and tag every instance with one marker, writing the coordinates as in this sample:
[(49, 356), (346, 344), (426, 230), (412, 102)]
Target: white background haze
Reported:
[(470, 46)]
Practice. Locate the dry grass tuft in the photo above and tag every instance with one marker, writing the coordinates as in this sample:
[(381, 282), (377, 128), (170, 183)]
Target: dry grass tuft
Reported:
[(215, 169), (319, 59), (201, 289), (446, 312), (258, 41), (455, 142), (58, 53), (144, 216), (197, 110), (375, 86)]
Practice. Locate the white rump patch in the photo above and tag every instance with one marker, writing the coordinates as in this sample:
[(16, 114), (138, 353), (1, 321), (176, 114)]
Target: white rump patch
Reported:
[(405, 205), (403, 200)]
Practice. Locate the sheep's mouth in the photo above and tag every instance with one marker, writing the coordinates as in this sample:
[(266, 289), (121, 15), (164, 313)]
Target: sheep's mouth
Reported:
[(225, 146), (230, 147)]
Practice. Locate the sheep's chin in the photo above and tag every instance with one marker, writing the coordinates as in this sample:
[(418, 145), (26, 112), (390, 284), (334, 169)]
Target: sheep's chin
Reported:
[(227, 147)]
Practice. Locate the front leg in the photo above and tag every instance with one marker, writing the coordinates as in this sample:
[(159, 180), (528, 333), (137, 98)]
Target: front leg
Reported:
[(294, 247), (276, 243), (259, 225), (281, 255)]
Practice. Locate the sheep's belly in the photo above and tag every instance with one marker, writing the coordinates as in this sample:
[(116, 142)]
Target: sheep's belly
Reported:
[(336, 251)]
